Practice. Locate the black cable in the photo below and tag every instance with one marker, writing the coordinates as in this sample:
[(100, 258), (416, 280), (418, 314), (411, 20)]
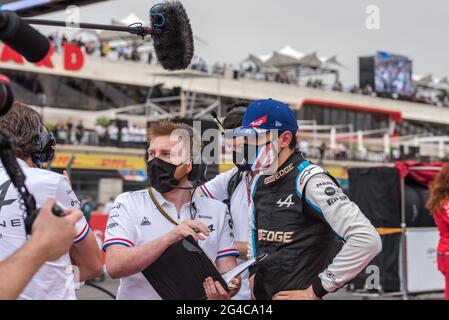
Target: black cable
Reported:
[(192, 204), (109, 293)]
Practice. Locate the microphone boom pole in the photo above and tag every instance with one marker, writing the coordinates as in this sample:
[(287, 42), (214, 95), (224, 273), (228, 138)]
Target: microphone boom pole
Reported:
[(139, 29), (170, 30)]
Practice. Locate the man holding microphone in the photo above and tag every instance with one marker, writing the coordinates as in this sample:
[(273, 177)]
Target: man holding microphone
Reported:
[(51, 237)]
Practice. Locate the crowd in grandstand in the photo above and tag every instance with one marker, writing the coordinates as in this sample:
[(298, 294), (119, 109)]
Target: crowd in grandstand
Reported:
[(103, 135), (131, 52)]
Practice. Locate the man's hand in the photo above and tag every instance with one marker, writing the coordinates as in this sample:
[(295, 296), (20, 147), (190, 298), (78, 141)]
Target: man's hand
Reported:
[(215, 291), (307, 294), (54, 235), (188, 228)]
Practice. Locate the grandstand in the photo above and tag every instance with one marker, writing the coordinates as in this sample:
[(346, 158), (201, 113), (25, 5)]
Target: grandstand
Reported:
[(74, 86)]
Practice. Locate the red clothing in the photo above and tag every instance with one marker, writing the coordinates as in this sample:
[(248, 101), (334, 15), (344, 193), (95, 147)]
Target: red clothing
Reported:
[(442, 221)]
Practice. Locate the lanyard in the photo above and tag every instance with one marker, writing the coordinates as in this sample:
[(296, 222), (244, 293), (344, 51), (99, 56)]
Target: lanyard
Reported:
[(248, 186), (161, 210), (164, 213)]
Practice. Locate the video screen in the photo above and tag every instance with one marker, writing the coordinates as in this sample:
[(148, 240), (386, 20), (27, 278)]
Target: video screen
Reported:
[(393, 74)]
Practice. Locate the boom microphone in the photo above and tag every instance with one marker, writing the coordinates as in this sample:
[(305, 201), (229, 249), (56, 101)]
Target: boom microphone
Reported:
[(170, 30), (215, 116), (6, 95), (21, 37), (173, 39)]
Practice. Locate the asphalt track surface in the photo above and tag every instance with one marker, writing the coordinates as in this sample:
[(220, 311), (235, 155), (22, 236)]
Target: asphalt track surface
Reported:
[(89, 293)]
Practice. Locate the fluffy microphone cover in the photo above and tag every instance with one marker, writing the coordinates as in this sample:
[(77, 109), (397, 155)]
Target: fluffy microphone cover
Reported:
[(172, 36)]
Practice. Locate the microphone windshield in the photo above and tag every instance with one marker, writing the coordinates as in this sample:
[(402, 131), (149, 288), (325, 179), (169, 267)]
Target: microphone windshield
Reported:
[(21, 37), (6, 95), (172, 35)]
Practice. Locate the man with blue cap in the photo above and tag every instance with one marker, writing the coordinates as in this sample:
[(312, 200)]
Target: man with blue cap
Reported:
[(296, 210)]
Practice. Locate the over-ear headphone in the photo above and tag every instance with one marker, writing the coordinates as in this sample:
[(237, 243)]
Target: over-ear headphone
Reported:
[(45, 144)]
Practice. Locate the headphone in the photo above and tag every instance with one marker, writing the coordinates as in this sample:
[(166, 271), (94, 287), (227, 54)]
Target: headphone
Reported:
[(199, 169), (45, 146), (237, 110)]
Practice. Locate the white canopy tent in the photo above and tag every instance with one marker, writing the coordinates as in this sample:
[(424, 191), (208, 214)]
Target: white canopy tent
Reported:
[(288, 56)]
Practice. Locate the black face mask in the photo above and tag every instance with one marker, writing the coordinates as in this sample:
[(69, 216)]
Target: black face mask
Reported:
[(161, 175)]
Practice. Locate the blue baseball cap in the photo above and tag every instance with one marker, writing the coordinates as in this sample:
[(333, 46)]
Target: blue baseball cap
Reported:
[(264, 115)]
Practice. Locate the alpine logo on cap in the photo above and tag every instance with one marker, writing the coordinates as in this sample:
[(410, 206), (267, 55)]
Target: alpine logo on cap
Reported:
[(258, 122)]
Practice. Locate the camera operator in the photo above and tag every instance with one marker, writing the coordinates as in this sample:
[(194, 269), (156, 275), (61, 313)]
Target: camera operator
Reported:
[(51, 237), (34, 147)]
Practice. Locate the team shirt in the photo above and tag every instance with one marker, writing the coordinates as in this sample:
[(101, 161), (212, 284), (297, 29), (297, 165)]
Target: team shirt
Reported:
[(135, 220), (54, 280), (217, 188)]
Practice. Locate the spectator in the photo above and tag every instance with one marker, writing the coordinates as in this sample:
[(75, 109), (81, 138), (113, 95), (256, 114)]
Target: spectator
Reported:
[(121, 53), (109, 205), (87, 206), (438, 206), (396, 153), (342, 152), (105, 49), (101, 134), (322, 150), (69, 128), (135, 56), (79, 132), (113, 132), (304, 147)]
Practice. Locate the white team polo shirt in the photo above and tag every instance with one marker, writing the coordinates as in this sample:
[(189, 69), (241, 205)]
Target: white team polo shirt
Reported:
[(134, 220), (54, 280), (217, 188)]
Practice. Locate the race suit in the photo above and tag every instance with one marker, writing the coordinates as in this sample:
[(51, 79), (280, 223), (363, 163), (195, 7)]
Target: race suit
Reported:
[(297, 230), (442, 222)]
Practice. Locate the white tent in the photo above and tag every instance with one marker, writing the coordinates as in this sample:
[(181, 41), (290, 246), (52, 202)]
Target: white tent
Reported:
[(290, 52), (129, 19), (288, 56)]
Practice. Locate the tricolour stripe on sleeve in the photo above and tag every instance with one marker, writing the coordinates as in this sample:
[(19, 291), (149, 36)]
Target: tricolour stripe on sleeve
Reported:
[(206, 191), (121, 241), (227, 253), (82, 234)]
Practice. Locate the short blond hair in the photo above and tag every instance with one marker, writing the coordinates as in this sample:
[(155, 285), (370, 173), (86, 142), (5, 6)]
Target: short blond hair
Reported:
[(167, 127)]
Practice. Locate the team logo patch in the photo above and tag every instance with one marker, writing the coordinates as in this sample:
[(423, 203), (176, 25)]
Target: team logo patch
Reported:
[(112, 225), (288, 202), (270, 179), (3, 190), (258, 122), (145, 222), (279, 174), (330, 275), (307, 172), (330, 191)]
